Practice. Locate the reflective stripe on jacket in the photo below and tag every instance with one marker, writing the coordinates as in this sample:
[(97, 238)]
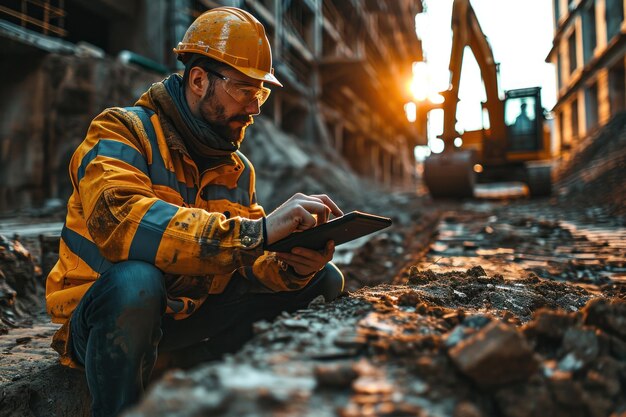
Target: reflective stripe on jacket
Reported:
[(138, 195)]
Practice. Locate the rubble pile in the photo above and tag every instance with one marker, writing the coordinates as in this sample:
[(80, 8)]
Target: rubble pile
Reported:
[(457, 344), (584, 245), (21, 286), (594, 175)]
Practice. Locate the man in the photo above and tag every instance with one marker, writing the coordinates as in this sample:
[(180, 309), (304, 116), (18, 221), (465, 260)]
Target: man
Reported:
[(523, 136), (523, 124), (163, 242)]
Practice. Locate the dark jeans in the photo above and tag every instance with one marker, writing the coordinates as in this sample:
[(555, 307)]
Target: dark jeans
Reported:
[(119, 325)]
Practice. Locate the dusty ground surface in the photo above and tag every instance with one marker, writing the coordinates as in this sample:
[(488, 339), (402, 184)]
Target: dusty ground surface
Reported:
[(517, 309), (482, 308), (492, 303)]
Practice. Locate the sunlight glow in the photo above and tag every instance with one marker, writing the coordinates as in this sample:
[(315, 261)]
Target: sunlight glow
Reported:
[(428, 82), (410, 109), (434, 127), (436, 145), (421, 81), (421, 152)]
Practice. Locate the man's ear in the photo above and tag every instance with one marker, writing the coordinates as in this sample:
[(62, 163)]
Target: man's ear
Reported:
[(197, 82)]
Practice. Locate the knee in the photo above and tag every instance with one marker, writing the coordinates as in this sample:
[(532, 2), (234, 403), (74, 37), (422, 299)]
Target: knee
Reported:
[(331, 281), (134, 284)]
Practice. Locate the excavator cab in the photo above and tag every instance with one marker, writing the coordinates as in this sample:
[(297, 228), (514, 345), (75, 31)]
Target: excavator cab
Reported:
[(523, 116)]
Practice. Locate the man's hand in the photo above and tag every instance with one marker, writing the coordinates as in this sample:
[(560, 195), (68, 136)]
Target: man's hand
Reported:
[(308, 261), (299, 213)]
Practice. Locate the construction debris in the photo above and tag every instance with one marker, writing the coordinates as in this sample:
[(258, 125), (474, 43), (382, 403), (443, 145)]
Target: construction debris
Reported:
[(414, 350), (21, 288), (460, 309)]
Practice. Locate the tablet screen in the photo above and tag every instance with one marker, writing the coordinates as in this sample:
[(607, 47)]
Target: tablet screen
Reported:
[(342, 229)]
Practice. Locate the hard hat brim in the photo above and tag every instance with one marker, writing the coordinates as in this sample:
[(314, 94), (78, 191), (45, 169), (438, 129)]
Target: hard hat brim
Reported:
[(267, 77)]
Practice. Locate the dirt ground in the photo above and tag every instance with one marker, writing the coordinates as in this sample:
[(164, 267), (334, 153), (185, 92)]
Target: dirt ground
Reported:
[(482, 308), (515, 309), (457, 310)]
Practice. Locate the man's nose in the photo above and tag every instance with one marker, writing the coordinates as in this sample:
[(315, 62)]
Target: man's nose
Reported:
[(253, 108)]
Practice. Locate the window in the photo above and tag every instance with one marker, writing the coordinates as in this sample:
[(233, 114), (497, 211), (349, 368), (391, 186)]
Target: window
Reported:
[(521, 121), (574, 119), (617, 88), (559, 69), (591, 106), (83, 24), (614, 18), (560, 120), (571, 47), (557, 12), (589, 31)]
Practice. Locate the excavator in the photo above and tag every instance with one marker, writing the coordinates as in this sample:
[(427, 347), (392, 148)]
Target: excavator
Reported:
[(515, 146)]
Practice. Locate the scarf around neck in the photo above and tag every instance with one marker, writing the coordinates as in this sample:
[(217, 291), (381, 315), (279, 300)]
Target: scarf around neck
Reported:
[(198, 135)]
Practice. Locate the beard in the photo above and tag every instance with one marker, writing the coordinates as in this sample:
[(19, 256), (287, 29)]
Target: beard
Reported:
[(231, 128)]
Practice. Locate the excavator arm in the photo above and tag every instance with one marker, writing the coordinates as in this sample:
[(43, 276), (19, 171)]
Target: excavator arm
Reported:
[(466, 31), (506, 153)]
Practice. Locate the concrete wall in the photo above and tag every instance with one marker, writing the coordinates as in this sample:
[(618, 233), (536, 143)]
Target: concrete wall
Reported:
[(46, 104)]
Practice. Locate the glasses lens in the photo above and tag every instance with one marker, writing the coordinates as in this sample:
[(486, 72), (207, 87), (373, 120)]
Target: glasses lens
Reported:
[(263, 95), (246, 94)]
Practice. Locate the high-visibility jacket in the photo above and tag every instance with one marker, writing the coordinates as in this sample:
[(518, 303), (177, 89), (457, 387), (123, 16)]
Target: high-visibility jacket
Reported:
[(139, 196)]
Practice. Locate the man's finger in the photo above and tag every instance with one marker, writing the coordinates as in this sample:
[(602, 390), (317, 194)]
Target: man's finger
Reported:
[(321, 210), (330, 203), (296, 263), (318, 260), (329, 250)]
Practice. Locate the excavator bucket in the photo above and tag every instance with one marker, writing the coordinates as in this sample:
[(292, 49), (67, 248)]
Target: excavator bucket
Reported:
[(450, 174)]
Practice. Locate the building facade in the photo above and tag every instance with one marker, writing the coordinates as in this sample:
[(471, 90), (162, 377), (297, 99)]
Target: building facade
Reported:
[(589, 54), (345, 65)]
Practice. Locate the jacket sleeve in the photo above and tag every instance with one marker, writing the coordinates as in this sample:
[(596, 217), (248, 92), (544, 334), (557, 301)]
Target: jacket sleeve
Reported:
[(127, 221), (274, 274), (267, 269)]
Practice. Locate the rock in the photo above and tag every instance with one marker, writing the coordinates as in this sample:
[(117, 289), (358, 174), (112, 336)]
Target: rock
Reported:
[(349, 339), (18, 267), (21, 294), (566, 392), (418, 277), (581, 342), (409, 298), (7, 294), (456, 335), (610, 316), (549, 324), (570, 363), (467, 409), (513, 400), (335, 375), (296, 324), (190, 398), (497, 354), (476, 271)]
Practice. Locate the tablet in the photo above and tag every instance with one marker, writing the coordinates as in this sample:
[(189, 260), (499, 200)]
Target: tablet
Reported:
[(342, 229)]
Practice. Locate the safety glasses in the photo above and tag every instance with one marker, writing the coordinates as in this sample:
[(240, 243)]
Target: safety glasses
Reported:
[(242, 93)]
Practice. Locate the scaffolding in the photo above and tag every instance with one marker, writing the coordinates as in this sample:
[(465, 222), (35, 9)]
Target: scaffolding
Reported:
[(43, 16)]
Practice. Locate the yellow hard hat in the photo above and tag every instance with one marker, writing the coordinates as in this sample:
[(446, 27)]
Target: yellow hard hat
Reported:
[(234, 37)]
